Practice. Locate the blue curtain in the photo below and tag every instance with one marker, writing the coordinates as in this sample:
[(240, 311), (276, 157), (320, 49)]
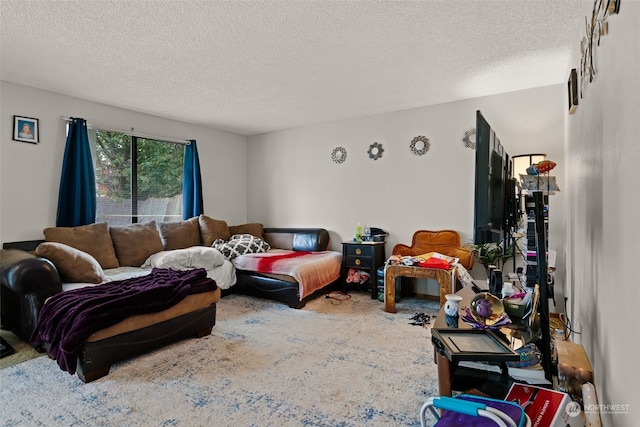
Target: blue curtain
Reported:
[(77, 195), (192, 204)]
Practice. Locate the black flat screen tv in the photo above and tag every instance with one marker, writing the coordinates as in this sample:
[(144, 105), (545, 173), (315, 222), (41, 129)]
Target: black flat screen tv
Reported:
[(494, 188)]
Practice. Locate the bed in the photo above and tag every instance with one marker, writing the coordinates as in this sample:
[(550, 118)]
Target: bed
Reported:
[(273, 275)]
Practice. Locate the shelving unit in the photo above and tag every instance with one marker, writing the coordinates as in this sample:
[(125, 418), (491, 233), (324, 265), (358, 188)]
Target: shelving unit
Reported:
[(541, 232), (531, 246)]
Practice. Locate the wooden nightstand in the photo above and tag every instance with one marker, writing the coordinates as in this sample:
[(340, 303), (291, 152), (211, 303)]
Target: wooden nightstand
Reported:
[(367, 256)]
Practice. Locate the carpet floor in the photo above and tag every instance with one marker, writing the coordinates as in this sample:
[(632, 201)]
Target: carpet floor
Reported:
[(22, 350), (332, 363)]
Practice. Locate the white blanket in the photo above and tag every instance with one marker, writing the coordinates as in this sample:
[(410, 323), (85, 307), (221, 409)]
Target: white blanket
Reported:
[(218, 268)]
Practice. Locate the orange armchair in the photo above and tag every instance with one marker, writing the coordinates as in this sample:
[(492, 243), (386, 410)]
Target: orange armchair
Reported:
[(446, 242)]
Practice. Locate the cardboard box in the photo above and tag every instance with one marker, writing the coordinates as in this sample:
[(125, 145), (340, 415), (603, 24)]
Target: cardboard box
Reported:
[(573, 361), (545, 407), (574, 368)]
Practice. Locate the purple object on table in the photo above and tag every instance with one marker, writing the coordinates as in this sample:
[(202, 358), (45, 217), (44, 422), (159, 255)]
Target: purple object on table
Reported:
[(483, 308)]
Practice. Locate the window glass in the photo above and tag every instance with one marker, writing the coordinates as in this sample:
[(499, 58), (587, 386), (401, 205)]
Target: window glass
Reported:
[(159, 180), (137, 179)]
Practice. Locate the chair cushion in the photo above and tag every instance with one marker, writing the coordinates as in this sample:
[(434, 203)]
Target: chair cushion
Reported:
[(446, 242)]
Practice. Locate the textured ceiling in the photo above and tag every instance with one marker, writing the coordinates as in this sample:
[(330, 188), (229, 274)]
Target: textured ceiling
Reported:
[(257, 66)]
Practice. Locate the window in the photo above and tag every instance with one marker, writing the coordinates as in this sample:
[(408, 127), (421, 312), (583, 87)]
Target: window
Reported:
[(137, 179)]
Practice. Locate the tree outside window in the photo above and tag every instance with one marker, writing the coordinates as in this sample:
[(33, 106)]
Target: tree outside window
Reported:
[(137, 179)]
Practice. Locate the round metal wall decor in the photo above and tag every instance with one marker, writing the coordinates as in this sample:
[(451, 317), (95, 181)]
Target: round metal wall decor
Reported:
[(375, 151), (420, 145), (339, 155), (469, 138)]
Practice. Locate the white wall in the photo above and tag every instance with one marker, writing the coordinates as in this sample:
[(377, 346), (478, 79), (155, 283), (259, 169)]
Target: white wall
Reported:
[(603, 156), (30, 173), (293, 181)]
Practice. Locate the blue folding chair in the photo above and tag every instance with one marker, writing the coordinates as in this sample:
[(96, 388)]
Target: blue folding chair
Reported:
[(476, 411)]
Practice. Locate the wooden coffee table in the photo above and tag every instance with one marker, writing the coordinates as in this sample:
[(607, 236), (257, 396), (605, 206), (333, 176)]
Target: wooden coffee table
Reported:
[(446, 279)]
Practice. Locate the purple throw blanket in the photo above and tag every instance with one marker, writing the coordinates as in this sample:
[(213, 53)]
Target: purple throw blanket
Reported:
[(69, 318)]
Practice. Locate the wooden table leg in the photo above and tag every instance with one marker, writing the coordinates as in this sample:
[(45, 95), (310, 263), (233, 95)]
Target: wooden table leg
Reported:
[(444, 280), (390, 291), (445, 374)]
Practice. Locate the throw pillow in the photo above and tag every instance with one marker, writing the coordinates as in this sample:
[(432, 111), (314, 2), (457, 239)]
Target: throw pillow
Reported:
[(93, 239), (212, 229), (181, 234), (74, 266), (182, 259), (240, 244), (135, 243), (253, 228)]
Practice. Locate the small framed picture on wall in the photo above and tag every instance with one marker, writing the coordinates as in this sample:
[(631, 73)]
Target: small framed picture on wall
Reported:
[(26, 129)]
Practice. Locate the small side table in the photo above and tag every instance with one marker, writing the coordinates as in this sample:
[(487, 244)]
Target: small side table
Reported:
[(367, 256), (446, 279), (446, 366)]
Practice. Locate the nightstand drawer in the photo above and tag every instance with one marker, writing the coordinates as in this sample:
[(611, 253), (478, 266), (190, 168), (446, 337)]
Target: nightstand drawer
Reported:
[(359, 250), (359, 261), (366, 257)]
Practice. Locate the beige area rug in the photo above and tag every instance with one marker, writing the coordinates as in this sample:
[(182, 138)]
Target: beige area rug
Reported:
[(330, 364), (23, 351)]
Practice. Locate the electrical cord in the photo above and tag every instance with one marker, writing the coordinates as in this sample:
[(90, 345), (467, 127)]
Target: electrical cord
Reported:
[(564, 318), (567, 324)]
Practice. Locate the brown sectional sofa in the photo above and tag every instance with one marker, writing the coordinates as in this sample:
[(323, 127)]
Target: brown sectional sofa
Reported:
[(32, 271)]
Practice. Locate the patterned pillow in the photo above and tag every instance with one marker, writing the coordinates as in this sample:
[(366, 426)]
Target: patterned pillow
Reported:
[(240, 244)]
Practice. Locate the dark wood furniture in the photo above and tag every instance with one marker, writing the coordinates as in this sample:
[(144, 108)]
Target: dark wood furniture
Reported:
[(446, 367), (367, 256)]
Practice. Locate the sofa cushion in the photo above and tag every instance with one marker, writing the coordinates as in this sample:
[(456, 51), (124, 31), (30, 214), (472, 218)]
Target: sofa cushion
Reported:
[(253, 228), (74, 265), (93, 239), (135, 243), (212, 229), (181, 234), (240, 244)]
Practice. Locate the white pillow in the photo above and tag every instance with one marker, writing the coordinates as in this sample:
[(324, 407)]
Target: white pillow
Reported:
[(182, 259)]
